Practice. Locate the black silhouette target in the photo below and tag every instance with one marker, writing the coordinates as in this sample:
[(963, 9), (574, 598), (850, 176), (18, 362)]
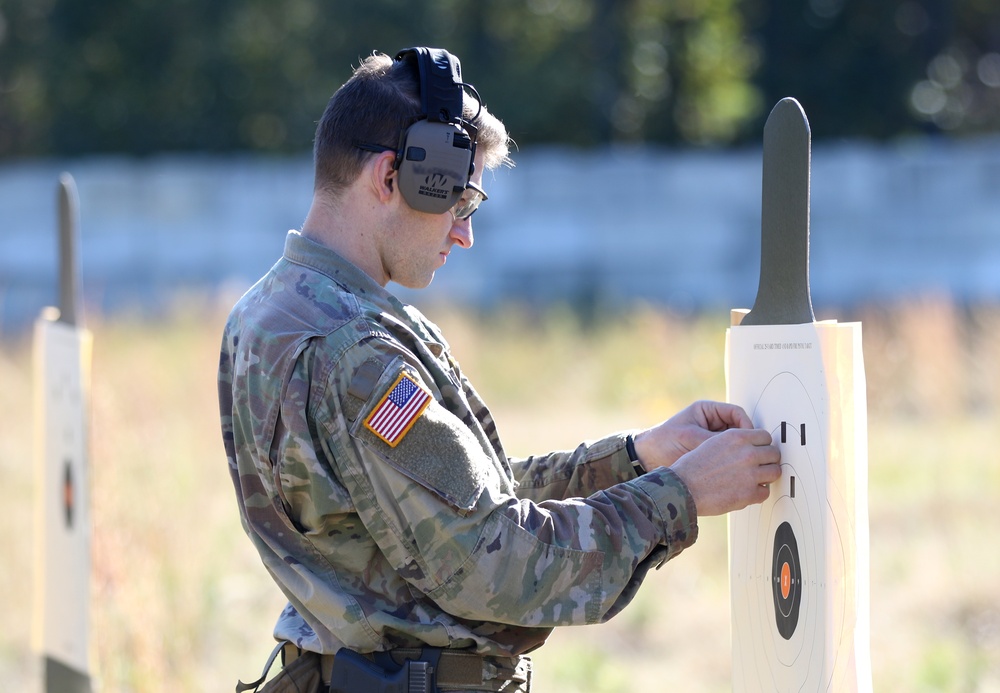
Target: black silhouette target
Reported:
[(786, 581)]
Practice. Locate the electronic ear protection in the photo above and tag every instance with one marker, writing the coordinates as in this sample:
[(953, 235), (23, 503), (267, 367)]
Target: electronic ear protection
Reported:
[(436, 155)]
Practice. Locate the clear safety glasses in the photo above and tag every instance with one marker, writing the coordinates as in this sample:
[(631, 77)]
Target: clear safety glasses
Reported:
[(469, 202)]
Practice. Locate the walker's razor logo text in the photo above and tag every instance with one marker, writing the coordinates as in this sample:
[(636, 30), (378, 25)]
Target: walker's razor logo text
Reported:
[(435, 184), (435, 180)]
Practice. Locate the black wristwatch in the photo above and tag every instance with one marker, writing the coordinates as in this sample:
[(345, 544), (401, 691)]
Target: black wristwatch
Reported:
[(632, 456)]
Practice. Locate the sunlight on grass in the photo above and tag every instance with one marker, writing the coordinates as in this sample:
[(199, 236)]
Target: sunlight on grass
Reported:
[(181, 602)]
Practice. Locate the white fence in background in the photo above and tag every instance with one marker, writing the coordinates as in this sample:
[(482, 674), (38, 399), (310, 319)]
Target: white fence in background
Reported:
[(678, 227)]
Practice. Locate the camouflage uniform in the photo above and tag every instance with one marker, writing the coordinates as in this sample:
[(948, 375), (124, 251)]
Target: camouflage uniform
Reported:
[(382, 540)]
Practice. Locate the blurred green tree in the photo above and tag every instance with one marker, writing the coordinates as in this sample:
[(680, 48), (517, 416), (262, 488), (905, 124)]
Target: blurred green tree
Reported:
[(140, 76), (882, 68)]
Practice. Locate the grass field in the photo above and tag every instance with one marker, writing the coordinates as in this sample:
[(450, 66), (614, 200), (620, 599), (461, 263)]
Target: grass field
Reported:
[(181, 603)]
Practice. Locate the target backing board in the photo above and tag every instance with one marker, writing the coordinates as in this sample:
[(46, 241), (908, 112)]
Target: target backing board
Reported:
[(62, 382), (799, 560)]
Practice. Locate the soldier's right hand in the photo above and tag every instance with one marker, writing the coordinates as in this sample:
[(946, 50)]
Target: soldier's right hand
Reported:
[(730, 471)]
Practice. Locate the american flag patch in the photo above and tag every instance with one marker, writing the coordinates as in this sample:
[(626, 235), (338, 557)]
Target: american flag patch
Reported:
[(398, 410)]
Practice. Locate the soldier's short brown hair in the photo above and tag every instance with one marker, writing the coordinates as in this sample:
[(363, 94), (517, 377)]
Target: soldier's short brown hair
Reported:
[(378, 102)]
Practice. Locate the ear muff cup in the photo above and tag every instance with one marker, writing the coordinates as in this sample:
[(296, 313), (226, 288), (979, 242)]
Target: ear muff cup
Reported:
[(436, 160)]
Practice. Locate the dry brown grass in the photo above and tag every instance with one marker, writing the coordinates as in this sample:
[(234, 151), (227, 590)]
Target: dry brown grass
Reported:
[(181, 602)]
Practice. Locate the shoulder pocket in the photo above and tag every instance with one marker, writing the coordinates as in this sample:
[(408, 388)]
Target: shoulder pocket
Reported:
[(404, 425)]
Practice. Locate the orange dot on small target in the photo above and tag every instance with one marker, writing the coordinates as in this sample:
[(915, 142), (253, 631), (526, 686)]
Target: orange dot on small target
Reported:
[(786, 580)]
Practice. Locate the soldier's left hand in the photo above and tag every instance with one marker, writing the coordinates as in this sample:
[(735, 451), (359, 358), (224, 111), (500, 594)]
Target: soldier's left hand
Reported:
[(663, 444)]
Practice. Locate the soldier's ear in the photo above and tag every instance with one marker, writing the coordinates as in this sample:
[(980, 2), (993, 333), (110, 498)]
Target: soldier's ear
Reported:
[(383, 176)]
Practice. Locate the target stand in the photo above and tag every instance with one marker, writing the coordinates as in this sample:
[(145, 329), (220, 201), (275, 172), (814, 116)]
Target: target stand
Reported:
[(62, 359), (799, 560)]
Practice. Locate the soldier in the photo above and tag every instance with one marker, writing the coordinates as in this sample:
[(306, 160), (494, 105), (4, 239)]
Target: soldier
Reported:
[(370, 475)]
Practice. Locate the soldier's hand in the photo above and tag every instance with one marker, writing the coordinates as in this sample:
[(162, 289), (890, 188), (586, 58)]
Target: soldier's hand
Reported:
[(664, 444), (730, 471)]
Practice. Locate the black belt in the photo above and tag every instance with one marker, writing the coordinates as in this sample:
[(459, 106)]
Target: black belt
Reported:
[(456, 669)]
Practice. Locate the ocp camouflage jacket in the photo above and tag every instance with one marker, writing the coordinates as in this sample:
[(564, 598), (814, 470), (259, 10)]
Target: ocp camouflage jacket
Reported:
[(371, 479)]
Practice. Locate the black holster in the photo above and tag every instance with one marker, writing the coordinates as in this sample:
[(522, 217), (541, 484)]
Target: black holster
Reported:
[(355, 673)]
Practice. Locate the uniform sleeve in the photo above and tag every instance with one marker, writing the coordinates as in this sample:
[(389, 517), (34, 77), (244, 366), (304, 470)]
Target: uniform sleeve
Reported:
[(591, 467), (443, 512)]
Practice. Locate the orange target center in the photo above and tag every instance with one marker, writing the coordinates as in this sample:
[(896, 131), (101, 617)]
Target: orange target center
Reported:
[(786, 580)]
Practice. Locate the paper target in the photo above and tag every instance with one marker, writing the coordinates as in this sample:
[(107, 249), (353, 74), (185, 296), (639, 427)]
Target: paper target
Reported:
[(789, 568), (62, 602)]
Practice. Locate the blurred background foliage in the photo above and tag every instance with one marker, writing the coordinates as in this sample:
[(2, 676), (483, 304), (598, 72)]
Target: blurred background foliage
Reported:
[(139, 76)]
